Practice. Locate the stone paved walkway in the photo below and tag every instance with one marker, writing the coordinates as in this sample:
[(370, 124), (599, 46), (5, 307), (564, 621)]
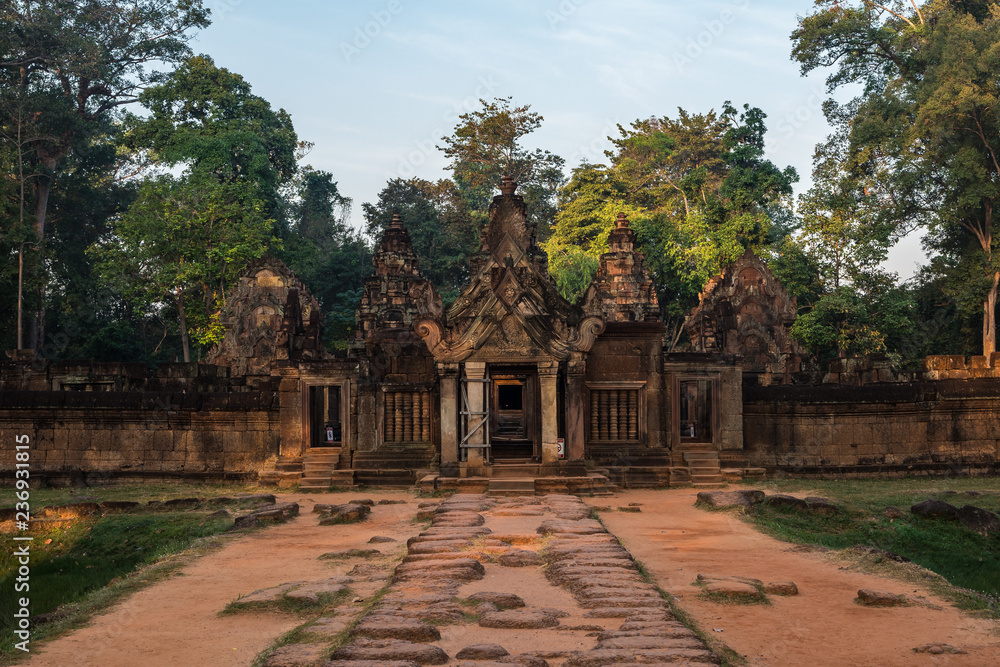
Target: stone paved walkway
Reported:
[(472, 591)]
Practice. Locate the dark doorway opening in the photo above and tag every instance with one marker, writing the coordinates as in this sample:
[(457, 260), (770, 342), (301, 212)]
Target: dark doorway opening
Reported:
[(325, 427), (513, 415)]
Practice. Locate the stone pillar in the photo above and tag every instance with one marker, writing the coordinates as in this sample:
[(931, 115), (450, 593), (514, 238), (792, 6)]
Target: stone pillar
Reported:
[(576, 407), (476, 370), (449, 419), (548, 372), (291, 410)]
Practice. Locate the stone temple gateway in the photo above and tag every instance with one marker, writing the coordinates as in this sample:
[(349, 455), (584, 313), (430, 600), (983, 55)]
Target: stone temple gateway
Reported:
[(511, 387)]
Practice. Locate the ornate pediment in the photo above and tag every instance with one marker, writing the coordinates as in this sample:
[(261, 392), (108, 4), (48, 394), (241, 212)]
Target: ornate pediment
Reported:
[(746, 311), (269, 315), (511, 306)]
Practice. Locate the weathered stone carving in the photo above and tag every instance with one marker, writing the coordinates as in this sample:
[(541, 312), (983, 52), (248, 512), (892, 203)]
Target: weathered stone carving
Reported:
[(269, 315), (511, 306), (623, 290), (746, 311), (394, 298)]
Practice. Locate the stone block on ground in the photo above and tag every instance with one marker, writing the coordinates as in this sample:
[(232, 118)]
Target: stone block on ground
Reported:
[(940, 649), (385, 650), (381, 539), (730, 499), (708, 578), (351, 553), (872, 598), (506, 600), (783, 500), (518, 619), (935, 509), (313, 592), (578, 527), (520, 558), (662, 656), (337, 514), (781, 588), (295, 655), (266, 595), (822, 505), (981, 521), (737, 591), (482, 652), (383, 626)]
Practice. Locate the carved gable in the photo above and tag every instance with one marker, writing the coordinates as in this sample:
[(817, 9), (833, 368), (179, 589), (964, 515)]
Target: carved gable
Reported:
[(511, 307), (746, 311), (269, 315)]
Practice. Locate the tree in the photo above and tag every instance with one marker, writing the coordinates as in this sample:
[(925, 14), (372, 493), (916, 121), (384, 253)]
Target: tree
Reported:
[(697, 190), (208, 120), (181, 244), (66, 67), (924, 135)]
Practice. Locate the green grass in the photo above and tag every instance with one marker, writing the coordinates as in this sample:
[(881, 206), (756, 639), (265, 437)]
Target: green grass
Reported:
[(89, 554), (964, 557), (137, 492)]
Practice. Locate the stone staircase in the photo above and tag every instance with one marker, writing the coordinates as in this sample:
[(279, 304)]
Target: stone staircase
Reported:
[(512, 486), (706, 470), (318, 467), (283, 472)]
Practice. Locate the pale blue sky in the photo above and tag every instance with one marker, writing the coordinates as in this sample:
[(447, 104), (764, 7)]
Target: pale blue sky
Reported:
[(375, 84)]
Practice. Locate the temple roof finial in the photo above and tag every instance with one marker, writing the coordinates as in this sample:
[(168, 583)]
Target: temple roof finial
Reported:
[(622, 221), (507, 186), (397, 222)]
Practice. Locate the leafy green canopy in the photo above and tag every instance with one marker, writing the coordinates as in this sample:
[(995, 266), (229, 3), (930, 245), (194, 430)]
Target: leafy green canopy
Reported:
[(185, 238), (181, 243), (207, 119), (66, 68), (923, 137), (698, 191)]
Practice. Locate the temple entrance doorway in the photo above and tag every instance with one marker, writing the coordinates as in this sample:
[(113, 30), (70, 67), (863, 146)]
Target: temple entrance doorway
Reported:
[(514, 418)]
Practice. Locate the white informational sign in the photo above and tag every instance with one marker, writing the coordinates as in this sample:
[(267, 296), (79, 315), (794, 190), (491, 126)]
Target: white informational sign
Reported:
[(329, 434), (561, 447)]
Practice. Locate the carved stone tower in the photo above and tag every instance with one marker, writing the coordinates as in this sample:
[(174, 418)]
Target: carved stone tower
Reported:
[(623, 290)]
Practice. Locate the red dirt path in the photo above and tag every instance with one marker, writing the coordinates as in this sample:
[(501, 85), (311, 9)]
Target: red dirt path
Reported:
[(176, 621), (821, 626)]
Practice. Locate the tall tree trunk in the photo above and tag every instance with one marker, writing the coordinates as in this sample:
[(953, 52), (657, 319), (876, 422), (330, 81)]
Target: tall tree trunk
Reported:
[(43, 188), (990, 318), (185, 340)]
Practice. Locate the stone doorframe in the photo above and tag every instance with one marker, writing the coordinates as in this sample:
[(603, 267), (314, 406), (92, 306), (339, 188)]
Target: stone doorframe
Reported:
[(450, 374)]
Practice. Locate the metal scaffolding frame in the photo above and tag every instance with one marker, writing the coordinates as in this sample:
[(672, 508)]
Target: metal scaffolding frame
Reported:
[(467, 418)]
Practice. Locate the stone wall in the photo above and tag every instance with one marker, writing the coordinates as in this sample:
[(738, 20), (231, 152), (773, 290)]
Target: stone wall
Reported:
[(94, 423), (926, 427)]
